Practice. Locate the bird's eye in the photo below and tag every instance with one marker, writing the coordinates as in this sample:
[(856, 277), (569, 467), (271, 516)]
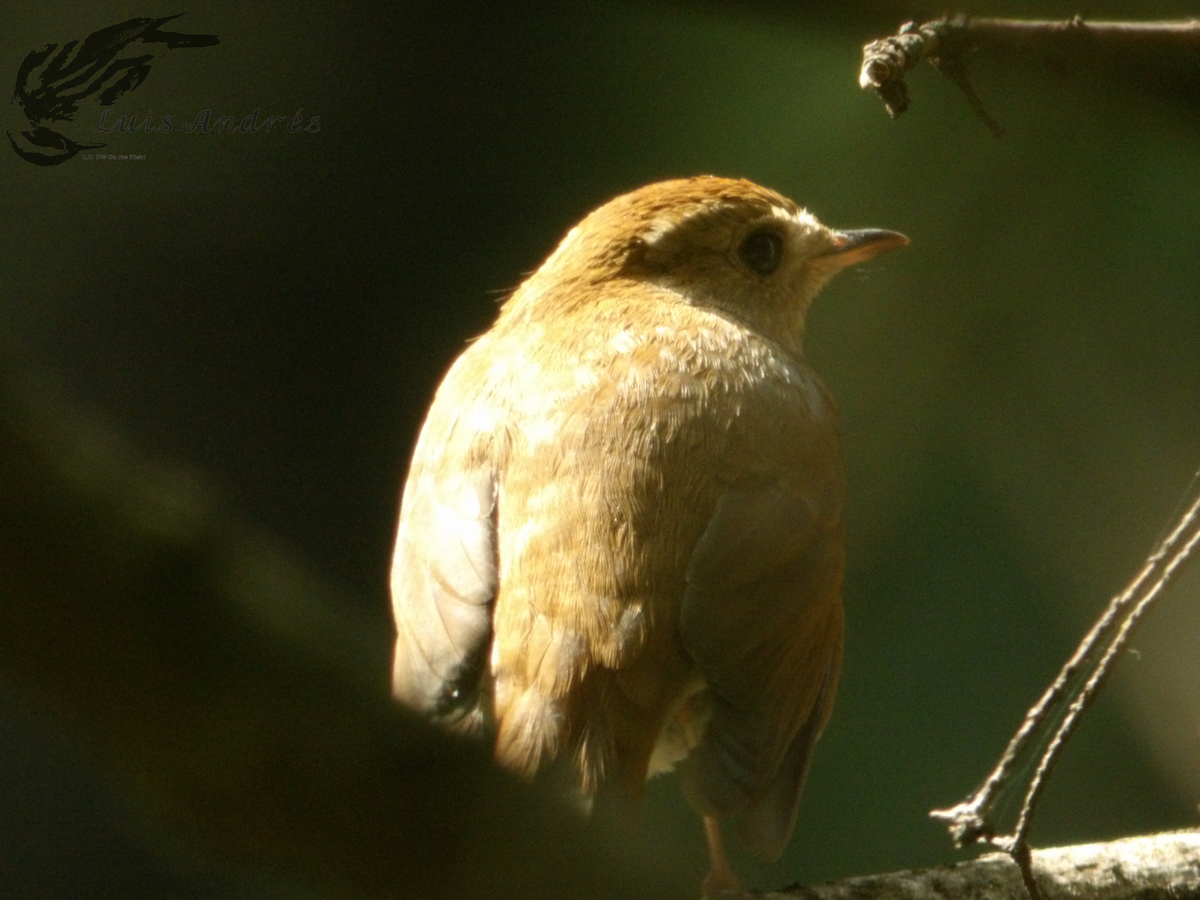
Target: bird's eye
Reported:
[(762, 250)]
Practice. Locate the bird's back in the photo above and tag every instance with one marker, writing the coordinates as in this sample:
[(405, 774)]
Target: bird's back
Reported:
[(619, 532)]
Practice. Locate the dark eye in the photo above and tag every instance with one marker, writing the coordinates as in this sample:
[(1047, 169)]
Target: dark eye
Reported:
[(762, 250)]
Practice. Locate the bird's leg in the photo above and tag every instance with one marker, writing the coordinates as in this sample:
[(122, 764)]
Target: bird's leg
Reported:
[(720, 878)]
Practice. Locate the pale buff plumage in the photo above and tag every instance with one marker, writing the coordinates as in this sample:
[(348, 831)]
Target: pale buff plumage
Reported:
[(621, 538)]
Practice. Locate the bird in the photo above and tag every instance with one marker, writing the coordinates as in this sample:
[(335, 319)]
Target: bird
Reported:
[(620, 545)]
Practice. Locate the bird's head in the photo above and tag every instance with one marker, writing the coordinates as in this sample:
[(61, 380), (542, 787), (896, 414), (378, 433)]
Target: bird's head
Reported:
[(721, 243)]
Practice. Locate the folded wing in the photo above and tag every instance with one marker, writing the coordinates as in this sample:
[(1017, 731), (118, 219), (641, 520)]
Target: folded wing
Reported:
[(762, 619)]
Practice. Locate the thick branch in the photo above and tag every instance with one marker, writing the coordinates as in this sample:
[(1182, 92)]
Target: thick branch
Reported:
[(1157, 867)]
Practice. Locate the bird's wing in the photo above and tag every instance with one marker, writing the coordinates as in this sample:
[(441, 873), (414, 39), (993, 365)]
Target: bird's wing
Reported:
[(444, 568), (762, 619)]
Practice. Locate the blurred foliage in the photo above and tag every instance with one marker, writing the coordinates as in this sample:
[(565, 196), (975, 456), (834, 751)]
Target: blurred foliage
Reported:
[(1020, 387)]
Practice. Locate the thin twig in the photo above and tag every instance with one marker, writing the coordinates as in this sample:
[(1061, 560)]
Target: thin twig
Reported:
[(1177, 550), (971, 821), (1022, 855)]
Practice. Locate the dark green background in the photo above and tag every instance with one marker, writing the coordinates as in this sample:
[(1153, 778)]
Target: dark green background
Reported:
[(1020, 387)]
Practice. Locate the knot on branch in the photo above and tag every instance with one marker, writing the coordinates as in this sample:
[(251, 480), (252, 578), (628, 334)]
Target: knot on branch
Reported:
[(943, 42), (887, 60), (965, 824)]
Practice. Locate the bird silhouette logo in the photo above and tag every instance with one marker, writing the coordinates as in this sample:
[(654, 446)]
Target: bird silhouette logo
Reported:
[(106, 65)]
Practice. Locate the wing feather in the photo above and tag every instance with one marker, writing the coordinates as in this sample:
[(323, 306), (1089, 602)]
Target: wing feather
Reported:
[(444, 574), (761, 617)]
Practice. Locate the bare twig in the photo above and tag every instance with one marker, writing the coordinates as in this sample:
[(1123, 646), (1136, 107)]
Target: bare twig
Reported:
[(1163, 567), (945, 43), (1022, 855), (886, 61), (1070, 695)]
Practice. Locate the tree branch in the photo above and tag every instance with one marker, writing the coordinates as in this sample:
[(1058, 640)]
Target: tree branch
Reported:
[(1156, 867), (1166, 52)]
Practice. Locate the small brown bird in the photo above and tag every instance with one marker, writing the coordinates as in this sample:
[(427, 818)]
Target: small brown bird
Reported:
[(621, 543)]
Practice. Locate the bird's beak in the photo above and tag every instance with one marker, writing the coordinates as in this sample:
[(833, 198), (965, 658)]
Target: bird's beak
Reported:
[(850, 247)]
